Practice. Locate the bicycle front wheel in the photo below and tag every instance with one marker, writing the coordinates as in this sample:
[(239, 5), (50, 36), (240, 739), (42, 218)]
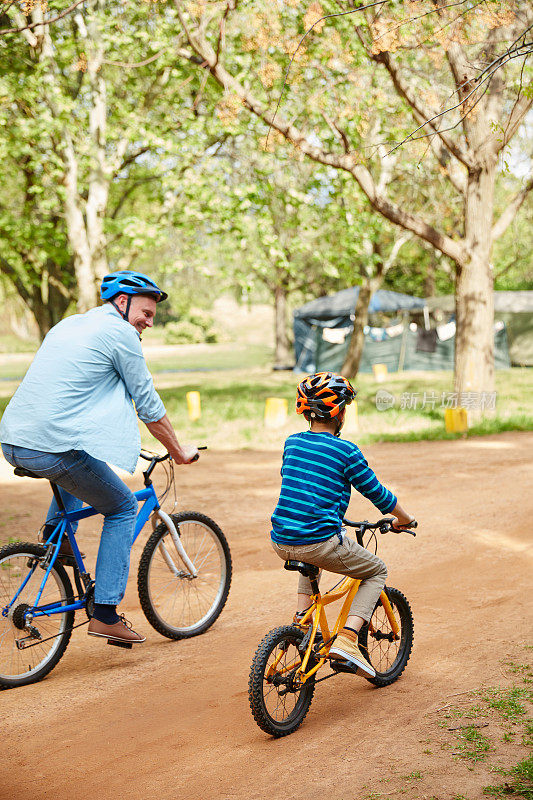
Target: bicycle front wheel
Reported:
[(387, 654), (174, 603), (29, 650), (279, 703)]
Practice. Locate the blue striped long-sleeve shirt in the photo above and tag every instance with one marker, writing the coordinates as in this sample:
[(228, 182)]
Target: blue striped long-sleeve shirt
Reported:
[(318, 472)]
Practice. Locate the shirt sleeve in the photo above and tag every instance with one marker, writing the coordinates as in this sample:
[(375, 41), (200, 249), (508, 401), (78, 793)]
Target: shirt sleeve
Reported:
[(128, 360), (365, 481)]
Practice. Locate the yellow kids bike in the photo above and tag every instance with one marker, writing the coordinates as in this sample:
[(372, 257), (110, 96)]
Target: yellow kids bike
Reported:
[(284, 669)]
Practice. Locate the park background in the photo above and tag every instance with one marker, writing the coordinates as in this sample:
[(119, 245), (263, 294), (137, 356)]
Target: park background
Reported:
[(252, 156)]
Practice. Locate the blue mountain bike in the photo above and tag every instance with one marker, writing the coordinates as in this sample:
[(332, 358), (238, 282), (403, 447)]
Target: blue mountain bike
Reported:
[(183, 582)]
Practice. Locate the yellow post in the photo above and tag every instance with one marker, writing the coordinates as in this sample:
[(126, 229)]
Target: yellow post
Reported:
[(456, 420), (276, 410), (380, 372), (193, 405), (351, 421)]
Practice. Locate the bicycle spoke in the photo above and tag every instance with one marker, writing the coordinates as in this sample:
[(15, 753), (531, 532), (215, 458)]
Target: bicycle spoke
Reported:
[(16, 579), (185, 602)]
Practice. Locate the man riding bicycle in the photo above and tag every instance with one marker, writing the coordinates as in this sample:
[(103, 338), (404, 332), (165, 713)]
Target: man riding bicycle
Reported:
[(76, 409)]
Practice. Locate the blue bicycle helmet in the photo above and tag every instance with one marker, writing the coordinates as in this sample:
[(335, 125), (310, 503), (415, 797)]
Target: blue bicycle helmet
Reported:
[(127, 282)]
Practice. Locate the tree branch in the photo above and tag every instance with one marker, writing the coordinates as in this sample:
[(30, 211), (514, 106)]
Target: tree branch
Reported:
[(337, 132), (43, 22), (511, 211), (420, 113), (131, 158), (131, 188), (516, 118), (379, 201), (14, 277), (391, 258)]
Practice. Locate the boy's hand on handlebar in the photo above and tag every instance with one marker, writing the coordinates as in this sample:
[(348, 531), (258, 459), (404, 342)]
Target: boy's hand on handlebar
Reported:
[(403, 523)]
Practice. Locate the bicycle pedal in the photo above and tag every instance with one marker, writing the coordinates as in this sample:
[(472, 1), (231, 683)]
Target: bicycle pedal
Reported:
[(127, 645), (343, 666)]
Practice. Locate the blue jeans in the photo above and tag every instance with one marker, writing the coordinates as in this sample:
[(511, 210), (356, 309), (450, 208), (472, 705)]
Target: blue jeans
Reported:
[(83, 478)]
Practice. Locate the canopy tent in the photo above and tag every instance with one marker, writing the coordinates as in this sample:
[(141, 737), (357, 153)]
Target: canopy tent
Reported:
[(323, 328), (340, 306), (515, 309), (515, 302)]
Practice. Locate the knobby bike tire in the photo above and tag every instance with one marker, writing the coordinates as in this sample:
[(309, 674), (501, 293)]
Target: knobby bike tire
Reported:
[(175, 621), (259, 690), (389, 658), (58, 644)]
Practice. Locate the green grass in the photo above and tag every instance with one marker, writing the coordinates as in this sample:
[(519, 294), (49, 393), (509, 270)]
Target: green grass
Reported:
[(519, 785), (233, 408), (213, 358), (220, 357), (473, 744), (500, 707), (509, 703), (9, 343), (235, 379)]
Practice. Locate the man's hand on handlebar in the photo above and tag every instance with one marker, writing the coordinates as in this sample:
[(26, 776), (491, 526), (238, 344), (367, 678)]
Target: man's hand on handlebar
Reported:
[(184, 455)]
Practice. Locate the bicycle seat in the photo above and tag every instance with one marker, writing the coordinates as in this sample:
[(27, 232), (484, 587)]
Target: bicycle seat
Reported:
[(25, 473), (309, 570)]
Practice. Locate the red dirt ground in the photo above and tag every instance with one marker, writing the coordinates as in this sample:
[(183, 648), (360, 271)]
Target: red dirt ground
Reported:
[(171, 719)]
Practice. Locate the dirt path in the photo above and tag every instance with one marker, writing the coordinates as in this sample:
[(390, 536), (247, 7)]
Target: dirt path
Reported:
[(171, 720)]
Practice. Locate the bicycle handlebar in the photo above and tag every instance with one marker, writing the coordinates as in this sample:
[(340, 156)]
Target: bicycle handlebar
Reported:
[(153, 459), (385, 526)]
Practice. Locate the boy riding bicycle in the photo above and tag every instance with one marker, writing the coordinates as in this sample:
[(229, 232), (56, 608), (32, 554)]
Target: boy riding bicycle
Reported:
[(318, 472)]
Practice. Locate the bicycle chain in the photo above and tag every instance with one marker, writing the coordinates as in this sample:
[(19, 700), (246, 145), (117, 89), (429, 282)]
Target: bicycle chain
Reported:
[(42, 641)]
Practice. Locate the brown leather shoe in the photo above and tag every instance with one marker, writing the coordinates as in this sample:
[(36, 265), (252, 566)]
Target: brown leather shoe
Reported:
[(120, 631), (66, 549)]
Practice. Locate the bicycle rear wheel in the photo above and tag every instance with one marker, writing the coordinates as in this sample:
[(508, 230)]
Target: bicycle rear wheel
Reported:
[(387, 654), (175, 604), (278, 704), (18, 667)]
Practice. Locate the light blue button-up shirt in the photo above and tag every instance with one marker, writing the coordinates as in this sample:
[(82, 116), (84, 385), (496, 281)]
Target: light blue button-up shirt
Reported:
[(78, 391)]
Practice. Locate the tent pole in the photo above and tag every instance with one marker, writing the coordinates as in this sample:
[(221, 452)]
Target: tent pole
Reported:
[(403, 347)]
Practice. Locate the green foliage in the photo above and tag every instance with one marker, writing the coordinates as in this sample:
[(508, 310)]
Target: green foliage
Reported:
[(183, 333), (194, 327)]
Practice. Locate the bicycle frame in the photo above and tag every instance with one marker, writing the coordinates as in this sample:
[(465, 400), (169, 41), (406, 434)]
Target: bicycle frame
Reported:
[(348, 587), (64, 527)]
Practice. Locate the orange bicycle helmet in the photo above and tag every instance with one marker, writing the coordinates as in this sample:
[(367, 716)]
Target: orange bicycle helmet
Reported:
[(323, 395)]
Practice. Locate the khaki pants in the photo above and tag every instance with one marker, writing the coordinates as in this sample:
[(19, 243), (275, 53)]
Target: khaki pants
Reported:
[(344, 558)]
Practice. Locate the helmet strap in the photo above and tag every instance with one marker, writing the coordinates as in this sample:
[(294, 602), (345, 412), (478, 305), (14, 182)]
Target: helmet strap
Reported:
[(340, 423), (124, 314)]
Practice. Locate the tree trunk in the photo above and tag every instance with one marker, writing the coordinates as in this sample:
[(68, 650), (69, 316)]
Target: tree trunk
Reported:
[(474, 297), (352, 359), (429, 279), (48, 311), (99, 178), (282, 355)]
